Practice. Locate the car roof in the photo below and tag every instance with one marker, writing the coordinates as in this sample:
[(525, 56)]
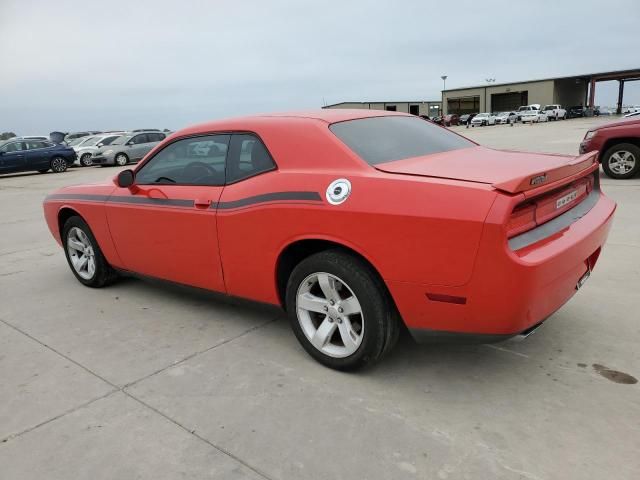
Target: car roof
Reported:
[(326, 116)]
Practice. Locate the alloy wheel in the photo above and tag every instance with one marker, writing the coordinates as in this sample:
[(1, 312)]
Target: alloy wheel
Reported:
[(330, 315), (85, 160), (622, 162), (58, 165), (81, 253), (121, 159)]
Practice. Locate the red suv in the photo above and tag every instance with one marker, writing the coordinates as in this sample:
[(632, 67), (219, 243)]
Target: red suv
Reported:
[(618, 146)]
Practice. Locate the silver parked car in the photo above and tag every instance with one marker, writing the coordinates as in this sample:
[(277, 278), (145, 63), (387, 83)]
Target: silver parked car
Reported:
[(131, 147)]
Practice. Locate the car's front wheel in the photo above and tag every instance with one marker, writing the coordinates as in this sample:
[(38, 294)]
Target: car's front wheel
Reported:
[(621, 161), (59, 165), (122, 159), (85, 160), (84, 256), (340, 310)]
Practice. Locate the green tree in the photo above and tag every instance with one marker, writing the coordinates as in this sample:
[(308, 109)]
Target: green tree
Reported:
[(7, 135)]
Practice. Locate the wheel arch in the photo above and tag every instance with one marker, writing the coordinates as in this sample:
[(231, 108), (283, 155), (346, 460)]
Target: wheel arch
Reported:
[(296, 251), (611, 142), (64, 214)]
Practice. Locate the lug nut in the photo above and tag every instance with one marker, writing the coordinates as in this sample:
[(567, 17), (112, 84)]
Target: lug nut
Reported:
[(339, 320), (332, 302), (330, 320), (325, 308), (340, 309)]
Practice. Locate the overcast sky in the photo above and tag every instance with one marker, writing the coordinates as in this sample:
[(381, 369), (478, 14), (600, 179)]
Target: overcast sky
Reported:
[(72, 65)]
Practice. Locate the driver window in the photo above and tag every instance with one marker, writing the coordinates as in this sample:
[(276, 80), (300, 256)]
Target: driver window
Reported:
[(191, 161)]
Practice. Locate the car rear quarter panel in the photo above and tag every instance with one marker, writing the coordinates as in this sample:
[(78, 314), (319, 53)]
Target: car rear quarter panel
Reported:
[(410, 229)]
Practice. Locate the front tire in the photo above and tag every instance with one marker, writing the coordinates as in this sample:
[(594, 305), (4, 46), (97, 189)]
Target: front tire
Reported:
[(85, 160), (59, 165), (121, 159), (622, 161), (340, 311), (84, 255)]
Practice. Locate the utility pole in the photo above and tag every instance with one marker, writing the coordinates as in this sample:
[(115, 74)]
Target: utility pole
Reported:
[(444, 87)]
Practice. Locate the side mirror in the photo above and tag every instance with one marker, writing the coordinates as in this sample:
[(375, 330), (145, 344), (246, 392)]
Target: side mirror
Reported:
[(125, 178), (100, 145), (129, 143)]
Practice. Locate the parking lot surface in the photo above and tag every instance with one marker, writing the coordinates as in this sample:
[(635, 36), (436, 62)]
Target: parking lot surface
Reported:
[(145, 380)]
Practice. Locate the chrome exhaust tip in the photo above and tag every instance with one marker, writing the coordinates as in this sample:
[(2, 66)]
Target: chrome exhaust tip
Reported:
[(528, 332)]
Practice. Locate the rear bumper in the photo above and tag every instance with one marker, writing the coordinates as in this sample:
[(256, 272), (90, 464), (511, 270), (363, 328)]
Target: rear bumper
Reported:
[(510, 291)]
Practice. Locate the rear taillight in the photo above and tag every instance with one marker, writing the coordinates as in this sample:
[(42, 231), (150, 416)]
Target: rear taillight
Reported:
[(546, 207), (522, 219)]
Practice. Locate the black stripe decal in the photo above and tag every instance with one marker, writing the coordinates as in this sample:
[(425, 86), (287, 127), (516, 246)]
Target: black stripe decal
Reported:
[(77, 196), (175, 202), (269, 197)]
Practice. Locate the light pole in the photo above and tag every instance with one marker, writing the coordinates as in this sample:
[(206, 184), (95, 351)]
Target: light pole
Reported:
[(444, 87)]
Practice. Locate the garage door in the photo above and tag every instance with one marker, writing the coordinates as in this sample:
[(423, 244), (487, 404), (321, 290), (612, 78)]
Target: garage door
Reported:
[(502, 102), (463, 105)]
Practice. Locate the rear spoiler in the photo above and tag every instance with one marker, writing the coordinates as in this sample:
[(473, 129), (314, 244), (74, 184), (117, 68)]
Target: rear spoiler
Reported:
[(550, 179)]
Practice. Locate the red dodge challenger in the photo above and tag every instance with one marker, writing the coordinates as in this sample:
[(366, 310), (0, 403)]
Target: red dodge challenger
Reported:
[(354, 221)]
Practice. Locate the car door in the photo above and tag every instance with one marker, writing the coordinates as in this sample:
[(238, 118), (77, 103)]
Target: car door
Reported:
[(37, 155), (13, 157), (137, 147), (164, 226), (250, 205)]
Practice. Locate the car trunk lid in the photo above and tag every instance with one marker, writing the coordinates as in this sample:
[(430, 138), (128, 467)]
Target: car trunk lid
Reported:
[(508, 171)]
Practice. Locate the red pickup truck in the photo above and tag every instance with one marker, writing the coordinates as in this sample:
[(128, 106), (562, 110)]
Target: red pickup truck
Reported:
[(618, 147)]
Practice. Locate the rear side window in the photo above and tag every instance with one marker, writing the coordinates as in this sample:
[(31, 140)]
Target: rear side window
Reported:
[(247, 157), (138, 139), (385, 139)]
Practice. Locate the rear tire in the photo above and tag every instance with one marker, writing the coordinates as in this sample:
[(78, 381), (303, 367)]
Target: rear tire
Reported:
[(59, 164), (332, 283), (622, 161), (84, 255)]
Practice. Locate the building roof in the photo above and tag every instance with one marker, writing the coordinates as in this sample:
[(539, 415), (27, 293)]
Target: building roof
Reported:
[(612, 75), (386, 101)]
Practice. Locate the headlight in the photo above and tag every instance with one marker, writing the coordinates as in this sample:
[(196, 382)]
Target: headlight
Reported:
[(589, 134)]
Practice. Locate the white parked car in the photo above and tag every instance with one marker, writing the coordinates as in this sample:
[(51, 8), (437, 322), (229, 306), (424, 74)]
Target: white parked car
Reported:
[(527, 109), (631, 109), (88, 147), (555, 112), (506, 117), (483, 119)]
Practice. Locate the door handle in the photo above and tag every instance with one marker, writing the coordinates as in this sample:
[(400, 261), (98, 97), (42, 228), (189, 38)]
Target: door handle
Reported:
[(202, 203)]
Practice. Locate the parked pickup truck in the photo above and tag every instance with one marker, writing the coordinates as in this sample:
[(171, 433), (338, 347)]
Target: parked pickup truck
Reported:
[(555, 112), (618, 147), (528, 110)]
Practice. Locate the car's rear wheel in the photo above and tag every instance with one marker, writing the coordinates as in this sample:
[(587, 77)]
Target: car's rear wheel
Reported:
[(85, 160), (621, 161), (121, 159), (59, 165), (340, 310), (84, 255)]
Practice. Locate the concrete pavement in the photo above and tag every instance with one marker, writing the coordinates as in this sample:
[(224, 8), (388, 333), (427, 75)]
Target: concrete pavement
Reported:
[(144, 380)]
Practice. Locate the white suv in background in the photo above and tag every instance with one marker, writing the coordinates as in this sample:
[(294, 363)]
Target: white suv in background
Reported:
[(555, 112)]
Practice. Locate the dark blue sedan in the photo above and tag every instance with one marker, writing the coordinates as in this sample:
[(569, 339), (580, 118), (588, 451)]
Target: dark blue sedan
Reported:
[(22, 155)]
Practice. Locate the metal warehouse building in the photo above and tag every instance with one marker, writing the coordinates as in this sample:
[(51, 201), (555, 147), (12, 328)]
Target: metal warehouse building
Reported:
[(567, 91), (419, 107)]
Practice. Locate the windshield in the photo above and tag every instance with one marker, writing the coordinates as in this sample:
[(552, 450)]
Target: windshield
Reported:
[(76, 141), (121, 140), (385, 139), (90, 141)]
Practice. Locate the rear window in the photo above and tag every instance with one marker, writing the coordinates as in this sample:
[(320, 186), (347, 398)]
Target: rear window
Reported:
[(385, 139)]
